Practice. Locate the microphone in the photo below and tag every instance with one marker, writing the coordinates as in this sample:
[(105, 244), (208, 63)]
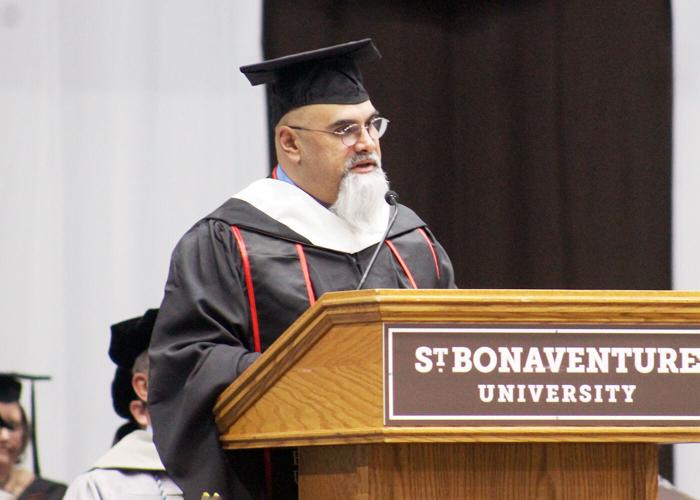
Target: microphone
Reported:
[(392, 199)]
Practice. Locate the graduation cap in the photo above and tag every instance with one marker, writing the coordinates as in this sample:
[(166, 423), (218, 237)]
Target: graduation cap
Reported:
[(129, 339), (10, 392), (323, 76)]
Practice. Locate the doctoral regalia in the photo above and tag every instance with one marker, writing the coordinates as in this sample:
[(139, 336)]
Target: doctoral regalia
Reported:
[(237, 280)]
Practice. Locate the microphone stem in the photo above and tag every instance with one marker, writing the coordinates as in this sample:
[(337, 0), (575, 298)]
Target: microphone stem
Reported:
[(379, 246)]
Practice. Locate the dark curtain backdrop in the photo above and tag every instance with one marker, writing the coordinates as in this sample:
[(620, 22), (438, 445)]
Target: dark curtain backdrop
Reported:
[(534, 137)]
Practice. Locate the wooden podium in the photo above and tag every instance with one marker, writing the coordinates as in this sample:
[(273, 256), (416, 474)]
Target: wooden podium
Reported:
[(321, 388)]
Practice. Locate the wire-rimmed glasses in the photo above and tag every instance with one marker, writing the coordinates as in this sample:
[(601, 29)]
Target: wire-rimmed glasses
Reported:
[(350, 134)]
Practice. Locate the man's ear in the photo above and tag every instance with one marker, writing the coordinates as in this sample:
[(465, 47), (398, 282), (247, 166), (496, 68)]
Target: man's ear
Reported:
[(139, 381), (288, 142), (139, 412)]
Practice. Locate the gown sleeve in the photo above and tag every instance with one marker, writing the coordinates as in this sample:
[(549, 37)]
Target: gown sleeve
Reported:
[(200, 344)]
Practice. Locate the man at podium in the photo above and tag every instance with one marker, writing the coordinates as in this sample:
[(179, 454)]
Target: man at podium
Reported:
[(245, 272)]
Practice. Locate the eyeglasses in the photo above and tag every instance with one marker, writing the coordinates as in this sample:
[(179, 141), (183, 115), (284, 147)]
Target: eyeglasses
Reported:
[(10, 426), (350, 134)]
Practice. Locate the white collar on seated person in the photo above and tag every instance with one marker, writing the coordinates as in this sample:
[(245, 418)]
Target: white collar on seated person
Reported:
[(135, 451)]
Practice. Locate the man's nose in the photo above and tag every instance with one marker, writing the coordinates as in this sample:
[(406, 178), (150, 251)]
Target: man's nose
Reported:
[(4, 433), (365, 142)]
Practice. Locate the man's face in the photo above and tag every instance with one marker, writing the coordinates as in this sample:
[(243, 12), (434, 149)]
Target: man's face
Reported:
[(324, 157), (11, 434)]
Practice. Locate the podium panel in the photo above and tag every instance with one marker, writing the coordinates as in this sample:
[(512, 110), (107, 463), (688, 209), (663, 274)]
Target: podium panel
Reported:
[(488, 471)]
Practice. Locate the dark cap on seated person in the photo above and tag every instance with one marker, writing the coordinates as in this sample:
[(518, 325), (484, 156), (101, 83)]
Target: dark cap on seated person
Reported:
[(129, 339), (11, 385), (324, 76), (10, 388)]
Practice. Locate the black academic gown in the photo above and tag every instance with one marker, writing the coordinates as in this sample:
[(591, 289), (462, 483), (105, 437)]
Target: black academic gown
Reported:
[(203, 340), (43, 489)]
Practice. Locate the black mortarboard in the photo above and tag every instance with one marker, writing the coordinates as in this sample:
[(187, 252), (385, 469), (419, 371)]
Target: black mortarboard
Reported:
[(129, 339), (10, 388), (10, 392), (323, 76)]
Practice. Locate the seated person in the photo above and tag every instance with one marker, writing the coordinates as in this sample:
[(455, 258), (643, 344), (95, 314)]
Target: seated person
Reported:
[(15, 433), (131, 467)]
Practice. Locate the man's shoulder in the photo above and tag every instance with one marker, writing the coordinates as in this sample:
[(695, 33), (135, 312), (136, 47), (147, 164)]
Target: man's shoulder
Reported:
[(235, 211), (232, 212), (242, 214), (406, 220)]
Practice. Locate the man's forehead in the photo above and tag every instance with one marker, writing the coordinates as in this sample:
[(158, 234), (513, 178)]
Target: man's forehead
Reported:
[(333, 113)]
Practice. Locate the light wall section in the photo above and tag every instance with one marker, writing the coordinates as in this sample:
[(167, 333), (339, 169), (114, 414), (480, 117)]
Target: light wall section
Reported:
[(121, 124), (686, 188)]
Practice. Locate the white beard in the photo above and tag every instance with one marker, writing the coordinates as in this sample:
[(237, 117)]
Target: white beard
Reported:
[(361, 195)]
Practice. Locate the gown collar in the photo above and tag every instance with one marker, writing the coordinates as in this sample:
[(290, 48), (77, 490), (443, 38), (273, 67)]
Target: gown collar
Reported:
[(296, 209)]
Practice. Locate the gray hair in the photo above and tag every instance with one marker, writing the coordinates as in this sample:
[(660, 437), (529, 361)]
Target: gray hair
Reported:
[(141, 363)]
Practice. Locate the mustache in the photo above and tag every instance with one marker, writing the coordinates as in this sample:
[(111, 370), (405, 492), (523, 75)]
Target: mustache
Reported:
[(359, 158)]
